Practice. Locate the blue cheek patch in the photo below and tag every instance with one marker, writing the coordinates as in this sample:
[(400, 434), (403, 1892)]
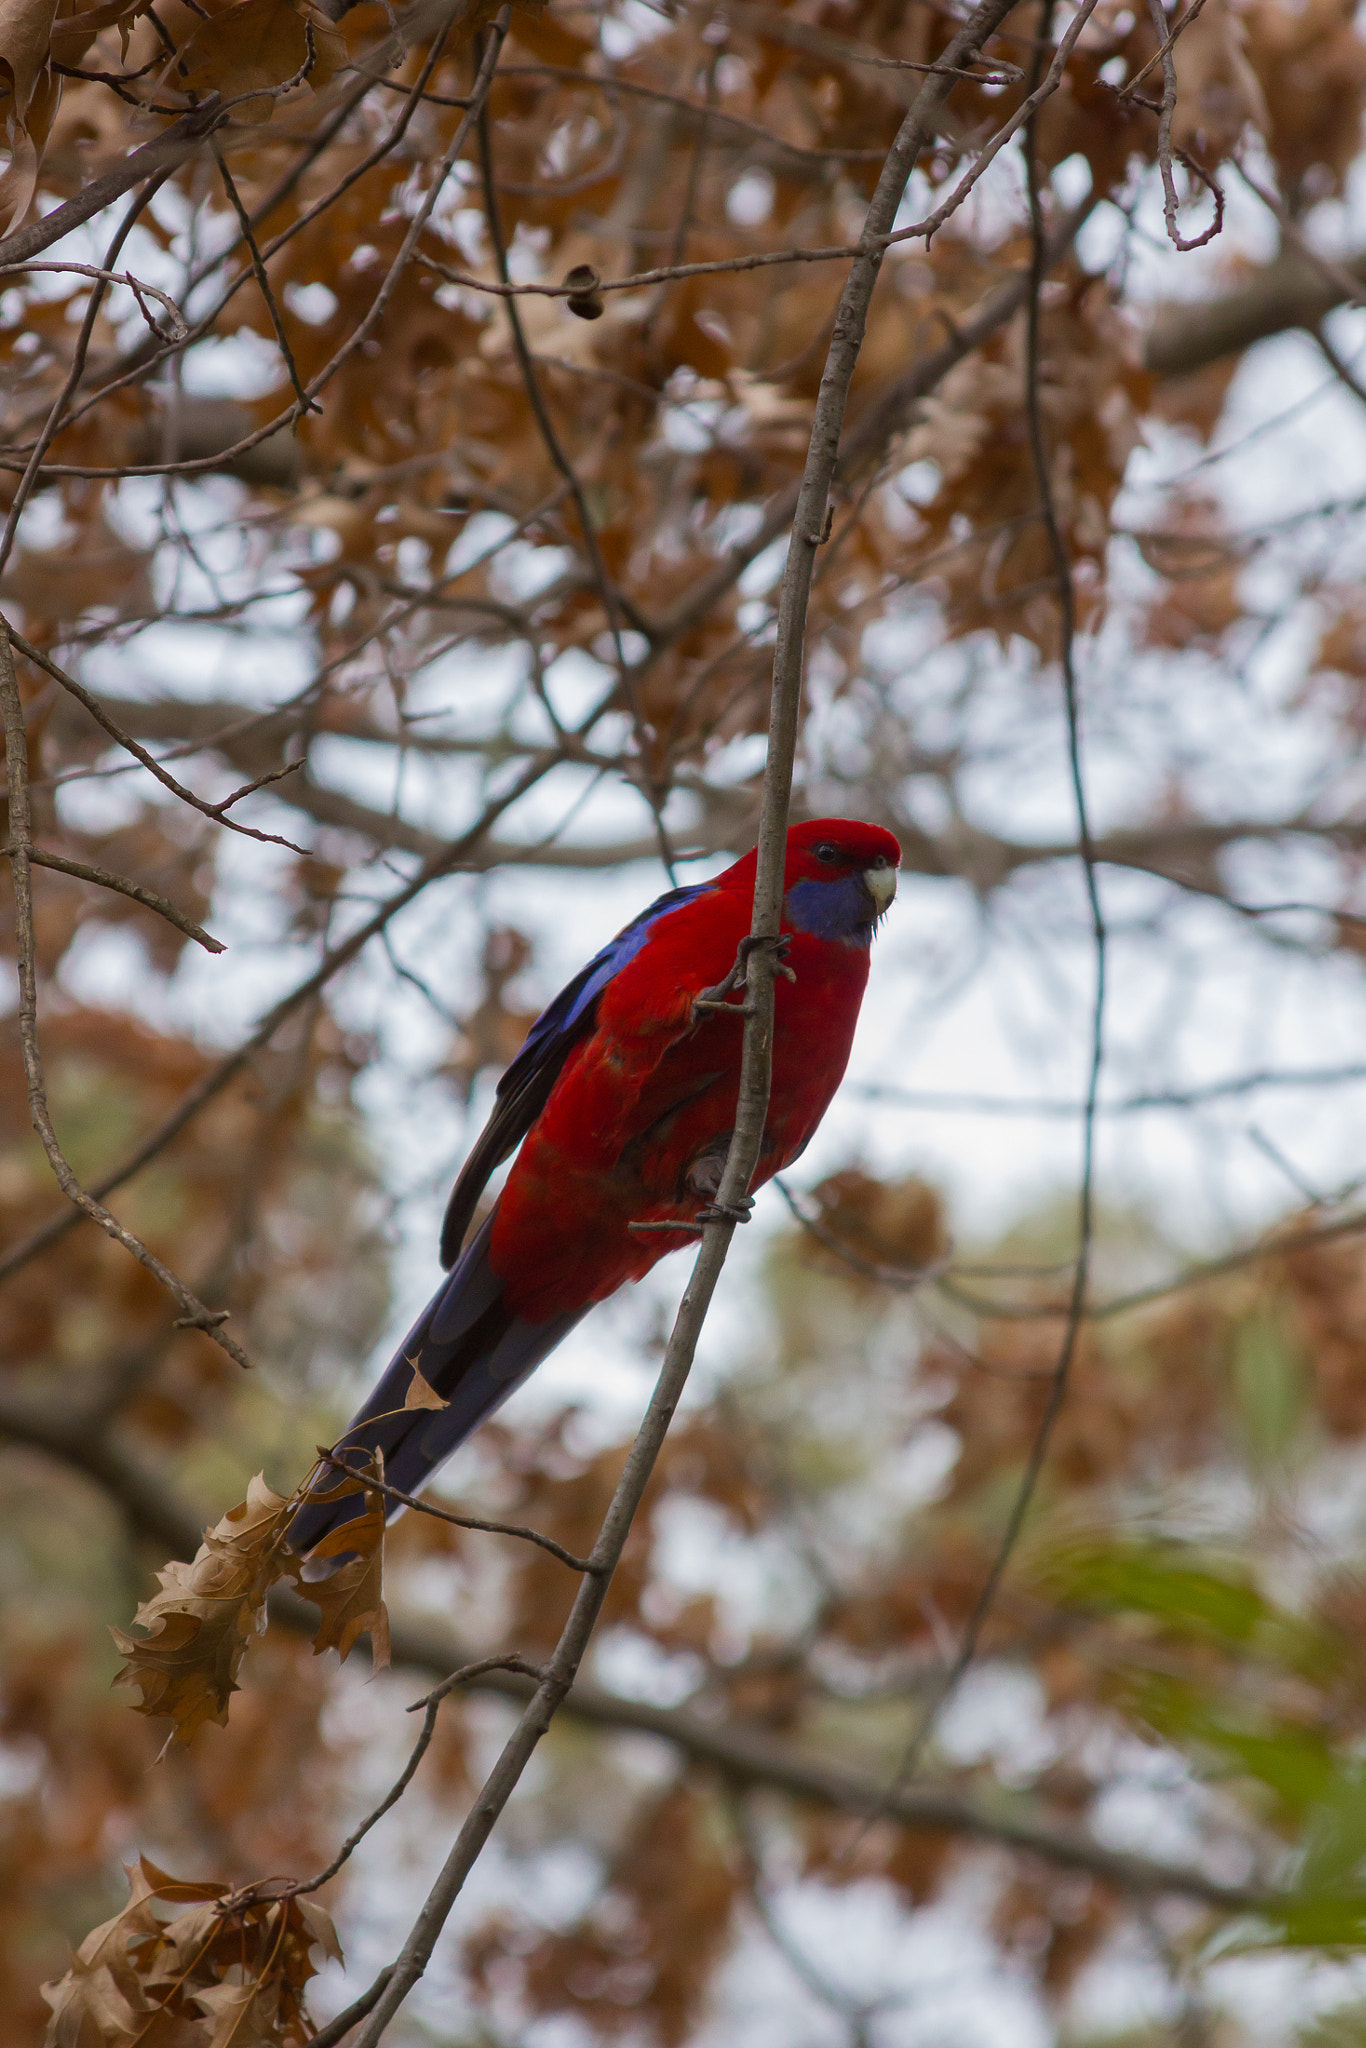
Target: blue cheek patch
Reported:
[(839, 909)]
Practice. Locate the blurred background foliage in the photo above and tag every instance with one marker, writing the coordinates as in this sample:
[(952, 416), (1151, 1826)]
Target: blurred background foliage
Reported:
[(475, 645)]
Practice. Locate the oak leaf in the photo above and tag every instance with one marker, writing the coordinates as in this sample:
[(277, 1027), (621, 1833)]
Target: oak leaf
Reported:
[(140, 1978), (29, 94), (255, 46), (199, 1624), (351, 1601)]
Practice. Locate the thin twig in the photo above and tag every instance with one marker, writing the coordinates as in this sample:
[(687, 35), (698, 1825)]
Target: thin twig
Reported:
[(140, 754), (427, 1507), (1161, 54), (306, 403), (52, 424), (1352, 1225), (1058, 1386), (1165, 152), (607, 590), (1338, 364), (755, 1070), (1333, 272), (194, 1313), (902, 1277), (953, 1103), (272, 775), (301, 1887), (138, 286), (104, 878)]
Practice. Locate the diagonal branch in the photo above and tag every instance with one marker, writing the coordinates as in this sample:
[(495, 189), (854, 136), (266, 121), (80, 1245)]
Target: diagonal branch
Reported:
[(745, 1753), (756, 1059)]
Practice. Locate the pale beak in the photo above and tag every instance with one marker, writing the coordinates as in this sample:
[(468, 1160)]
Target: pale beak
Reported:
[(881, 886)]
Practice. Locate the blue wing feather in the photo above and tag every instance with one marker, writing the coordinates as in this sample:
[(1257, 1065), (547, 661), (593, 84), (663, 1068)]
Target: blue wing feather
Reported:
[(471, 1351), (525, 1087)]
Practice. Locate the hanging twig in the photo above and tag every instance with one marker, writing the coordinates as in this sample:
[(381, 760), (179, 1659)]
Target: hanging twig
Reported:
[(1165, 151), (427, 1507), (306, 403), (194, 1314), (104, 878), (962, 1661)]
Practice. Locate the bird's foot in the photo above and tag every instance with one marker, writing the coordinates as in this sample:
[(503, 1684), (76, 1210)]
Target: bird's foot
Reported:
[(727, 1212), (711, 1002), (713, 999)]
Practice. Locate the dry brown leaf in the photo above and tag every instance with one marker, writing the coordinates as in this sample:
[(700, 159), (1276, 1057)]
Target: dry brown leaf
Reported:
[(25, 36), (29, 94), (255, 46), (73, 34), (1217, 91), (420, 1393), (140, 1978), (351, 1602), (201, 1621)]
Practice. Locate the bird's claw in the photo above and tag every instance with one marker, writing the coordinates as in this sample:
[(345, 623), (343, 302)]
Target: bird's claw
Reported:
[(714, 999), (727, 1212), (712, 1003)]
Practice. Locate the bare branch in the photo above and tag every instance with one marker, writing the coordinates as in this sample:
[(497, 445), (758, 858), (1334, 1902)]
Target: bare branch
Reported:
[(1291, 291), (427, 1507), (155, 159), (744, 1753), (104, 878), (194, 1314), (756, 1058)]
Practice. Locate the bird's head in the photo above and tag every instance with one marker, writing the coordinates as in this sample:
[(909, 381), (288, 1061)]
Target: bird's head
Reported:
[(840, 878)]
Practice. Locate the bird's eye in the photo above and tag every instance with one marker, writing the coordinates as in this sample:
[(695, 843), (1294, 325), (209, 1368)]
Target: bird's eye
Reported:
[(827, 852)]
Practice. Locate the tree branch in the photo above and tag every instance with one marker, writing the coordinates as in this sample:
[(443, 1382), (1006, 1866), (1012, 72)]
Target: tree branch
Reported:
[(748, 1753), (1291, 291), (756, 1058)]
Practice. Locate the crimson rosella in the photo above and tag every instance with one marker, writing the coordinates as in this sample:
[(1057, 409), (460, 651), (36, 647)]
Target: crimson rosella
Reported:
[(623, 1101)]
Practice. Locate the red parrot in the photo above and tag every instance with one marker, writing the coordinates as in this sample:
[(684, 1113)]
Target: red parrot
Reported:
[(623, 1101)]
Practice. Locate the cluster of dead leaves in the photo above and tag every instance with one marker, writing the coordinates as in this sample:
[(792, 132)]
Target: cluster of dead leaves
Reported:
[(227, 1970), (983, 543), (199, 1625)]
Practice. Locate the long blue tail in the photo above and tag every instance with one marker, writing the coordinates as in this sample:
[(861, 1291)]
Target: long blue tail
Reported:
[(472, 1352)]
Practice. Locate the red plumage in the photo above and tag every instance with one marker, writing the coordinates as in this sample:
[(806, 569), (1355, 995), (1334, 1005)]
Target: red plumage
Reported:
[(650, 1090)]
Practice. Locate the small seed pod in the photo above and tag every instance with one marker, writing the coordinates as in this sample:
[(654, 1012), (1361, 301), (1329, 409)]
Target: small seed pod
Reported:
[(585, 299)]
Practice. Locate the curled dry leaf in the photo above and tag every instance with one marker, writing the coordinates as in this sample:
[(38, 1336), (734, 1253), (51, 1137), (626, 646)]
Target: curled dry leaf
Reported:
[(143, 1978), (1218, 93), (421, 1394), (199, 1624), (256, 46), (28, 100), (351, 1601)]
